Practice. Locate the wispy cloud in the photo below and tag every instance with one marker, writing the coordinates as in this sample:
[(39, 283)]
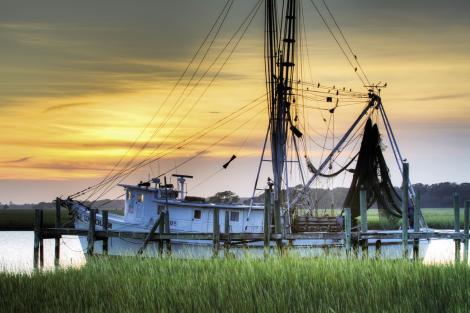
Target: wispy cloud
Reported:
[(15, 161), (66, 106), (442, 97)]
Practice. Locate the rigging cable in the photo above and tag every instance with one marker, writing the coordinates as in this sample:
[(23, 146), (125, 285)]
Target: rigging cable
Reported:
[(338, 43), (178, 102), (346, 41), (222, 121), (249, 18), (165, 100)]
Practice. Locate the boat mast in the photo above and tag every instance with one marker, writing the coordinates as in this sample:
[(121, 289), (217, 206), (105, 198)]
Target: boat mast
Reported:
[(279, 76)]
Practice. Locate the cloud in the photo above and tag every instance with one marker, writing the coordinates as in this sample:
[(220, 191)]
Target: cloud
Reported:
[(442, 97), (65, 106), (21, 160)]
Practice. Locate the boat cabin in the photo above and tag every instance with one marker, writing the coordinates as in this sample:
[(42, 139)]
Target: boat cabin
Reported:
[(144, 202)]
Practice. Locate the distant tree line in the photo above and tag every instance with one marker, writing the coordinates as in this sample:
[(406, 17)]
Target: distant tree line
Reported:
[(432, 196)]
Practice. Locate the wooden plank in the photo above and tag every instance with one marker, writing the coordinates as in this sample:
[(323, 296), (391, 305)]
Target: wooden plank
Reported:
[(91, 232), (456, 201), (147, 238)]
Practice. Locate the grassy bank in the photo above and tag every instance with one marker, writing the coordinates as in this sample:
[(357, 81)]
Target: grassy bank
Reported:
[(274, 285), (23, 219), (442, 218)]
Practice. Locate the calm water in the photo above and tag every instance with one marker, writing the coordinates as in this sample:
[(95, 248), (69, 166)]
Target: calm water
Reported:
[(16, 251)]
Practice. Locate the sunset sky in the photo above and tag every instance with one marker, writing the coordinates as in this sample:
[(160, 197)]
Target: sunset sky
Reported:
[(79, 81)]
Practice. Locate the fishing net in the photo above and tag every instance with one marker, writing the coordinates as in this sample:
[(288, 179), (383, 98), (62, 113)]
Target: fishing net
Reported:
[(372, 174)]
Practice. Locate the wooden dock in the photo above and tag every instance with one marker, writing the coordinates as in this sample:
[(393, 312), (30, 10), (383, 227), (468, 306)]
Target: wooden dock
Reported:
[(346, 237), (327, 230)]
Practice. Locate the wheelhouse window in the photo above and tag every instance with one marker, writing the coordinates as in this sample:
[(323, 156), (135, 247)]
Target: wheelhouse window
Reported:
[(128, 195), (197, 214), (140, 197), (234, 216)]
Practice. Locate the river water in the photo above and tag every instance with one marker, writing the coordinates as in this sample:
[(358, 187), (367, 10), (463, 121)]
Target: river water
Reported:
[(16, 251)]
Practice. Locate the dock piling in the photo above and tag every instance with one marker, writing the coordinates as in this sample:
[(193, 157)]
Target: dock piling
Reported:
[(227, 232), (416, 228), (161, 230), (41, 239), (216, 232), (456, 200), (57, 239), (347, 231), (378, 249), (404, 208), (267, 220), (91, 233), (104, 216), (167, 230), (466, 225), (364, 228), (37, 237)]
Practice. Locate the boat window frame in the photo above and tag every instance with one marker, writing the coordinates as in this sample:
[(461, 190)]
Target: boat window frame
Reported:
[(140, 197), (234, 213), (197, 214)]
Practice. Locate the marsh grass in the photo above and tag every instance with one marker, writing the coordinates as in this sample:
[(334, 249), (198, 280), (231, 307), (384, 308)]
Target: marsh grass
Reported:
[(441, 218), (287, 284)]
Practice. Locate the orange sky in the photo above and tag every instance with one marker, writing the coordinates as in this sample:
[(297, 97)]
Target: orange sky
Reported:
[(79, 82)]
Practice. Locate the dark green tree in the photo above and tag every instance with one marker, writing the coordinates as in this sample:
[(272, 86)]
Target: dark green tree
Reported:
[(224, 197)]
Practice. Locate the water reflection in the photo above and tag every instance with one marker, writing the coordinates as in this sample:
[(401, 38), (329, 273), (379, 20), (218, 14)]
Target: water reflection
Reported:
[(16, 251)]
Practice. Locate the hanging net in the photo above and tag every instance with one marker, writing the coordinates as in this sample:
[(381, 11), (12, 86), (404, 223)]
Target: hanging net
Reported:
[(372, 174)]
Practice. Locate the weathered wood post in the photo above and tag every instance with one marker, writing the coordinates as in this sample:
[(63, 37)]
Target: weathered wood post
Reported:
[(216, 232), (167, 230), (364, 228), (104, 219), (267, 221), (466, 226), (57, 225), (347, 231), (227, 232), (37, 237), (416, 228), (161, 230), (378, 249), (456, 200), (41, 239), (404, 208), (91, 233), (277, 221)]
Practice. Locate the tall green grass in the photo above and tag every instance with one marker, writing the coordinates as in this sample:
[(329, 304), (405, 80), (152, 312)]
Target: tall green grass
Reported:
[(442, 218), (287, 284)]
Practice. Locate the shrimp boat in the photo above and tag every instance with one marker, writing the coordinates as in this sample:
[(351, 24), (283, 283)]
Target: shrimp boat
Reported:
[(292, 208)]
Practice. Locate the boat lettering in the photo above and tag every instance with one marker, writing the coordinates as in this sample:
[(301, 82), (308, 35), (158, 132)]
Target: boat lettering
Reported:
[(99, 221)]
